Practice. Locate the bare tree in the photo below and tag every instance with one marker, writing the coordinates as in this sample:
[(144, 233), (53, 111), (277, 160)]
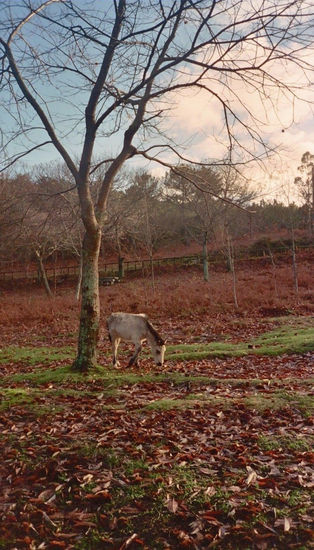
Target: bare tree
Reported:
[(200, 208), (13, 209), (230, 256), (197, 188), (305, 185), (94, 76), (58, 195), (46, 224), (147, 228)]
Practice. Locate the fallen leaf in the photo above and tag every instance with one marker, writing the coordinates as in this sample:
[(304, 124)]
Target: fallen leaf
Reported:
[(172, 504), (252, 477)]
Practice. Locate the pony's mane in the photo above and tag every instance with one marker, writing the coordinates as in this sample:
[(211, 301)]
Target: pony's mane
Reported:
[(155, 334)]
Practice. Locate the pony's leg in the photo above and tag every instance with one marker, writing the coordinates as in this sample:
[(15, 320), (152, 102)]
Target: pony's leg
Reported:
[(115, 345), (138, 348)]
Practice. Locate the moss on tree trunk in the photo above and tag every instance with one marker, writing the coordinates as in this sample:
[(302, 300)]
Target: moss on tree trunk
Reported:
[(90, 308)]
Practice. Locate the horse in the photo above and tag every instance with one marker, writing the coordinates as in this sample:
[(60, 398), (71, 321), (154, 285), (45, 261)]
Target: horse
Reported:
[(135, 327)]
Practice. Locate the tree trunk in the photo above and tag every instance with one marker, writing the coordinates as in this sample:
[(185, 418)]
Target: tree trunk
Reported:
[(205, 258), (312, 204), (232, 268), (152, 272), (43, 275), (90, 309), (120, 267), (79, 279), (274, 269), (295, 268)]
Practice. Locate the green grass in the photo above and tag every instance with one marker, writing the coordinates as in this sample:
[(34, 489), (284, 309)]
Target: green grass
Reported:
[(296, 497), (31, 398), (187, 352), (289, 338), (15, 396), (286, 339), (28, 399), (168, 404), (49, 376), (268, 443), (35, 355), (110, 377), (280, 399), (260, 401)]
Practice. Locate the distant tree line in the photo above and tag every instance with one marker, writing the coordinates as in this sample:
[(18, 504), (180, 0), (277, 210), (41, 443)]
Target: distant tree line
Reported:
[(40, 220)]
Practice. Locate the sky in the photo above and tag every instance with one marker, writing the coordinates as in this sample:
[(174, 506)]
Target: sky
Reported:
[(196, 122), (288, 128)]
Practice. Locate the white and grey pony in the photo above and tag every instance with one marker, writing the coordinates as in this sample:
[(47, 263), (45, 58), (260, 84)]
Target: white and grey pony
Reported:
[(135, 327)]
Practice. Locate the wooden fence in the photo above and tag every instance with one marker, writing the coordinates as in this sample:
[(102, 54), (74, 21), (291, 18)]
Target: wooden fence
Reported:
[(67, 272), (59, 273)]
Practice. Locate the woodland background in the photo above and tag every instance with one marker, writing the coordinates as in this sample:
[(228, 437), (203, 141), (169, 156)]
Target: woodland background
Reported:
[(151, 217)]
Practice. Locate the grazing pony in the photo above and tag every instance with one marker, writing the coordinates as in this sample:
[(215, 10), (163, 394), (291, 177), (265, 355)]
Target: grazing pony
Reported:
[(136, 328)]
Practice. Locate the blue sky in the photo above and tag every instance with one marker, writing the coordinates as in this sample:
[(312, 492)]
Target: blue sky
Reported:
[(195, 120)]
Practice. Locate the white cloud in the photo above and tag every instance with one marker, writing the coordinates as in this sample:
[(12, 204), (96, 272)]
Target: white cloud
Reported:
[(284, 120)]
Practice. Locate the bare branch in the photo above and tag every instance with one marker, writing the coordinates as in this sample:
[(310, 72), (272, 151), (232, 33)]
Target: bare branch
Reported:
[(33, 102), (183, 175), (21, 155), (29, 17)]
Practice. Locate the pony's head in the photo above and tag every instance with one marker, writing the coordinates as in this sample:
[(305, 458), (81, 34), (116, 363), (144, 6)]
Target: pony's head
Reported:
[(158, 352)]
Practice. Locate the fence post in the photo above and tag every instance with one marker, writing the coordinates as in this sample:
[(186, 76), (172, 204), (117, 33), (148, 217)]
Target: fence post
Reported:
[(120, 267)]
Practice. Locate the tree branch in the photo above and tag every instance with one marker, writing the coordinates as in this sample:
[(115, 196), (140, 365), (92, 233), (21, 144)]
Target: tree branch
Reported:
[(180, 173), (21, 155), (37, 108)]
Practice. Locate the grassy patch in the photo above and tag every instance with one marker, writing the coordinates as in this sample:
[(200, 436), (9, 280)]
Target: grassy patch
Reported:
[(49, 376), (187, 352), (280, 399), (289, 338), (298, 497), (260, 401), (112, 378), (35, 355), (300, 400), (11, 397), (168, 404), (66, 382), (38, 402), (109, 377), (269, 443), (286, 339), (29, 399)]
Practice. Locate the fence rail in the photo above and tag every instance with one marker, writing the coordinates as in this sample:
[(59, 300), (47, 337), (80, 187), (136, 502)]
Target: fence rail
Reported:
[(59, 272), (104, 269)]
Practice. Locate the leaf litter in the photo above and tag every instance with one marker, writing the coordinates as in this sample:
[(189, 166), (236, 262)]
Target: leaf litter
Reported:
[(219, 463)]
